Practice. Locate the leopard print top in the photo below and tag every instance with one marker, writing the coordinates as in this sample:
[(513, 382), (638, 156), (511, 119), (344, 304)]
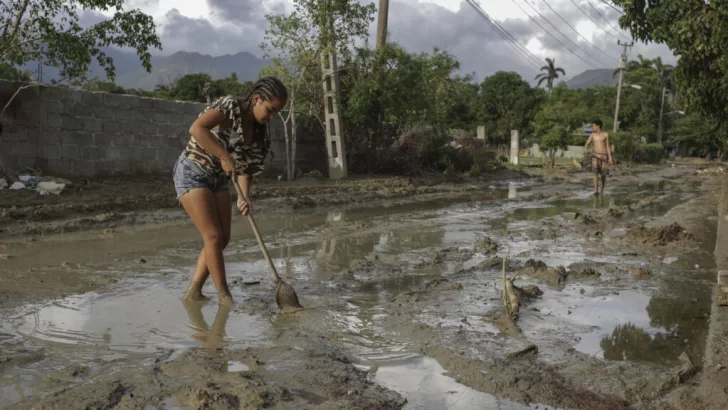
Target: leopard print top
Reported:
[(249, 158)]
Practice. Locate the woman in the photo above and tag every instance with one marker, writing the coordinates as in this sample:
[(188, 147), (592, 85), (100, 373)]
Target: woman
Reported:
[(228, 140)]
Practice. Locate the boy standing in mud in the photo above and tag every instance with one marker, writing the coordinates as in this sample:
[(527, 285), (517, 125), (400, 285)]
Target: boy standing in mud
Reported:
[(602, 155)]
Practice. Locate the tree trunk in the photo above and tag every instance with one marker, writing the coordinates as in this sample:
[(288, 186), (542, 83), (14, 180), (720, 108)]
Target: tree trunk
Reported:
[(293, 141), (288, 144)]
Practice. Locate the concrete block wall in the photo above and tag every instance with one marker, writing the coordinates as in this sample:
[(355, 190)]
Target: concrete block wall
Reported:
[(78, 133)]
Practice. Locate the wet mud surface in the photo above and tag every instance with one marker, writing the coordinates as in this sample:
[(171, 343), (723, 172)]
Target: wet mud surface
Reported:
[(402, 303)]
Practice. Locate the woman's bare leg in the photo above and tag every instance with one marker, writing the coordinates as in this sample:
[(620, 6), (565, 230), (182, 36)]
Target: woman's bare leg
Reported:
[(224, 215), (201, 206)]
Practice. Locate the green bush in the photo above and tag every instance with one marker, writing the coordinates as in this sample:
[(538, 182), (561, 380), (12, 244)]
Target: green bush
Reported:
[(625, 146), (649, 153)]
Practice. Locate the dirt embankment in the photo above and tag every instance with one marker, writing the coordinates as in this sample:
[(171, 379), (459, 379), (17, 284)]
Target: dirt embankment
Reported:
[(113, 202)]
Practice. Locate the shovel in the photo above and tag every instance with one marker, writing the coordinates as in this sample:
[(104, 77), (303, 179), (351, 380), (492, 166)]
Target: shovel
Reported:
[(285, 295)]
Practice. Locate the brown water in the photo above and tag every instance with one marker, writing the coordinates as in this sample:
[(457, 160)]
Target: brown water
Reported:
[(651, 321)]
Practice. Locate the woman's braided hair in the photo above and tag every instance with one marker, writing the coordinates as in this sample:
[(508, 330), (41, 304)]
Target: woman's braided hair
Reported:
[(267, 88)]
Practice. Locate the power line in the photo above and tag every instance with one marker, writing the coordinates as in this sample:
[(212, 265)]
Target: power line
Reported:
[(577, 32), (612, 6), (552, 36), (605, 19), (592, 20), (503, 33)]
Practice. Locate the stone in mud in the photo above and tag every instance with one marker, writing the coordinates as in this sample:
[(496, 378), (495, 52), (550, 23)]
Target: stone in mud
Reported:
[(657, 236), (539, 270), (486, 245)]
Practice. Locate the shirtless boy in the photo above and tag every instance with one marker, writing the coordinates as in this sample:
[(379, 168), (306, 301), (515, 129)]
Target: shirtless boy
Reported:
[(602, 155)]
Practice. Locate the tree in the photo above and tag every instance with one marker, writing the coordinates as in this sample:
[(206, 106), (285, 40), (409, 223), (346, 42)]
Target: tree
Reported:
[(551, 73), (695, 134), (696, 31), (296, 42), (47, 31), (634, 65), (553, 124), (508, 103)]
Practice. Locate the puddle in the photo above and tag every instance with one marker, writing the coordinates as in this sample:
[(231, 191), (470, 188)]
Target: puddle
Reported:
[(425, 385), (635, 327), (143, 318), (236, 367)]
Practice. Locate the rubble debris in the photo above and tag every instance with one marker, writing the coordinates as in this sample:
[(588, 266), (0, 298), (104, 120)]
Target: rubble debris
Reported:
[(658, 236), (539, 270), (486, 245)]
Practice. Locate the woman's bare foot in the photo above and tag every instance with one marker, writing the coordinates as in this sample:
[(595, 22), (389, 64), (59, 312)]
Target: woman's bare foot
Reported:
[(225, 299), (195, 294)]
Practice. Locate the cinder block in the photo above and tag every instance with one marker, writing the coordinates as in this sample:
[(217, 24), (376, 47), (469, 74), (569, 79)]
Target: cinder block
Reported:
[(92, 154), (70, 152), (51, 151)]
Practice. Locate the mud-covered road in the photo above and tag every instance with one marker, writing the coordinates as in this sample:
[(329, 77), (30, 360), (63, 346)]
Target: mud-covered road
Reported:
[(401, 283)]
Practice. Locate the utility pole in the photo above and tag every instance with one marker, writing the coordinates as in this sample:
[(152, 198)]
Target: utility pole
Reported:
[(622, 66), (662, 106), (382, 23)]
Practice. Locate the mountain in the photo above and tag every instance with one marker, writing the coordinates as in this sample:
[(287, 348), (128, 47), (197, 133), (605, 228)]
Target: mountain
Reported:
[(166, 69), (131, 74), (593, 78)]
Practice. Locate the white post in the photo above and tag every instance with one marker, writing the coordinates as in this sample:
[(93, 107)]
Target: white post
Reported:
[(332, 117), (481, 132), (515, 146)]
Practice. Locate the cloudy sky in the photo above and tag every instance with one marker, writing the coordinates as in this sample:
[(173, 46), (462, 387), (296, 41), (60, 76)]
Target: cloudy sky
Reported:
[(580, 34)]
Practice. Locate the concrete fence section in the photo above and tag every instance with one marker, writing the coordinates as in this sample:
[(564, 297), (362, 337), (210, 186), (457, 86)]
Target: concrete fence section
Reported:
[(69, 132), (572, 151)]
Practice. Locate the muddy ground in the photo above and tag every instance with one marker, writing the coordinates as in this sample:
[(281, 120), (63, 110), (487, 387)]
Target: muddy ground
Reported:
[(401, 282)]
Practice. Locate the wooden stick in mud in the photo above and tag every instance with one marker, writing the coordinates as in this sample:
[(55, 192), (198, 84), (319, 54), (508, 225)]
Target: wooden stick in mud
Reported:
[(285, 295), (510, 299)]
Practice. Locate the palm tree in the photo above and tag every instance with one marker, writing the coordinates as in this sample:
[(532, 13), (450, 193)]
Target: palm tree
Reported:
[(635, 65), (551, 73)]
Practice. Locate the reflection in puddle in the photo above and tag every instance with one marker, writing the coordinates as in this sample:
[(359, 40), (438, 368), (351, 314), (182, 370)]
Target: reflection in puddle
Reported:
[(632, 328), (422, 381), (141, 320)]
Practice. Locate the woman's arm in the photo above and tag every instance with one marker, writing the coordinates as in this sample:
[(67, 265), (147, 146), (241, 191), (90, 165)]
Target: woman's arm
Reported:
[(245, 207), (201, 131)]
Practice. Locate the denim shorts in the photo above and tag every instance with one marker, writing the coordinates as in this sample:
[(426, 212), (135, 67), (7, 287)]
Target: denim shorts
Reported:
[(187, 175)]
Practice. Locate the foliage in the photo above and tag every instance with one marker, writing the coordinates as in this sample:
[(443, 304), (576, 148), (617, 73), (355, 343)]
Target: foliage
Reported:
[(649, 153), (8, 72), (695, 30), (551, 73), (554, 123), (694, 134), (508, 103), (48, 31), (625, 146)]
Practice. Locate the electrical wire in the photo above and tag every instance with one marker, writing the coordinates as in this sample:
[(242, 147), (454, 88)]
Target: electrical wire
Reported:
[(554, 37), (612, 6), (508, 37), (607, 21), (593, 21), (577, 32)]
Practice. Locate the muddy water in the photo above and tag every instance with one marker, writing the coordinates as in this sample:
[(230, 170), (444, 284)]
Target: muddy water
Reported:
[(347, 265)]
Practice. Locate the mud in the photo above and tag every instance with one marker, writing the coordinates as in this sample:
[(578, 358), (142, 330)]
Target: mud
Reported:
[(402, 295), (122, 201)]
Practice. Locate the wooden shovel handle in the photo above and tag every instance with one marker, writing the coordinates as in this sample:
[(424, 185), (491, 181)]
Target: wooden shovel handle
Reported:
[(253, 225)]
